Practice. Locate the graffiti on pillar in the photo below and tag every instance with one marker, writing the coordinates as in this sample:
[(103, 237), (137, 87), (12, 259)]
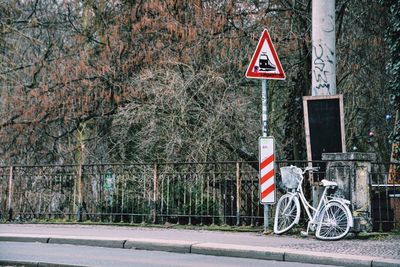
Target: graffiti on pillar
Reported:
[(324, 62), (329, 24)]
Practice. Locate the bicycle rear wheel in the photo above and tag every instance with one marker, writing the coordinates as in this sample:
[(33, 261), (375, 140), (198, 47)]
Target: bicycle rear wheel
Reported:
[(334, 222), (287, 213)]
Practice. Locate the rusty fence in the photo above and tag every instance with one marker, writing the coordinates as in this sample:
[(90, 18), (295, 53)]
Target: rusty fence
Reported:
[(181, 193)]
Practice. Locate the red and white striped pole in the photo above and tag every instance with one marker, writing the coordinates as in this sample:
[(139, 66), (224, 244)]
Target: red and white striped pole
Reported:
[(267, 170)]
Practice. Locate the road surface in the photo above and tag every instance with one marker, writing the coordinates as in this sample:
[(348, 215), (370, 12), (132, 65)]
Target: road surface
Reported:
[(97, 256)]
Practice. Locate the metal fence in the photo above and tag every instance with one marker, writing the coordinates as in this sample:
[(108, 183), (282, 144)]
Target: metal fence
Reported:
[(185, 193), (182, 193), (385, 196)]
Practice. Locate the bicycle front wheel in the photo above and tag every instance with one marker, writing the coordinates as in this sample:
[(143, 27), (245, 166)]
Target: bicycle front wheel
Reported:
[(287, 213), (334, 222)]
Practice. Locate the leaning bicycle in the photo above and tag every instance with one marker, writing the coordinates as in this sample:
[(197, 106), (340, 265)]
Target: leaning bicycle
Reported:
[(331, 220)]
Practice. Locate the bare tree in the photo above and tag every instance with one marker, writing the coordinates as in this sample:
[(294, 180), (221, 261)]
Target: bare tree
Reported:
[(164, 80)]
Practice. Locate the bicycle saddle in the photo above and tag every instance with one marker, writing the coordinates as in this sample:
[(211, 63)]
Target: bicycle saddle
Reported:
[(326, 183)]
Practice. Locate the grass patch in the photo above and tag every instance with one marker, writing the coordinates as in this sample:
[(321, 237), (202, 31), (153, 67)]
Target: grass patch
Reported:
[(373, 235)]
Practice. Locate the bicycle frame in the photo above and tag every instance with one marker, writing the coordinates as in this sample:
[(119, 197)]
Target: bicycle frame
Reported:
[(311, 212)]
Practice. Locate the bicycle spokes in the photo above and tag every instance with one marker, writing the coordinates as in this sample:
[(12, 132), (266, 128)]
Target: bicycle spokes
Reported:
[(287, 213), (334, 222)]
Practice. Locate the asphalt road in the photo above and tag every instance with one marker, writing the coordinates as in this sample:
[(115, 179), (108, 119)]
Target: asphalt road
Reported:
[(386, 247), (97, 256)]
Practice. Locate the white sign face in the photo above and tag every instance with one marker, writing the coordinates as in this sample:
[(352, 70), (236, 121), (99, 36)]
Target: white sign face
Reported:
[(265, 63), (267, 170)]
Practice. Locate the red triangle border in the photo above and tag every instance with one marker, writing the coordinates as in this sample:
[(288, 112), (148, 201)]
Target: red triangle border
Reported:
[(262, 75)]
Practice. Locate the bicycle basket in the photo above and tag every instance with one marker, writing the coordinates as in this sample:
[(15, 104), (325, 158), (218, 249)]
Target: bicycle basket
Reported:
[(290, 179)]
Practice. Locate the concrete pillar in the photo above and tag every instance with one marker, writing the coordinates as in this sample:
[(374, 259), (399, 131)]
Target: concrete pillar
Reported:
[(323, 63), (352, 173)]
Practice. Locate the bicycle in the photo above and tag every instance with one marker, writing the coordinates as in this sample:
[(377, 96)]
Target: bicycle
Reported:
[(331, 220)]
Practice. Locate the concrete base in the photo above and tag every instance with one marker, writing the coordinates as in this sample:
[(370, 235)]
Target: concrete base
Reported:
[(352, 173)]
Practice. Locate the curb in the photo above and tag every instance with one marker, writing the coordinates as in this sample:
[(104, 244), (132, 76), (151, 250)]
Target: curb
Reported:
[(215, 249), (329, 258), (228, 250), (160, 244), (87, 241), (36, 264), (385, 262), (24, 238)]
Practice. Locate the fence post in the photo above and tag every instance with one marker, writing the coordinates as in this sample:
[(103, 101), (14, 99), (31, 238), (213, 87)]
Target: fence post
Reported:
[(238, 188), (79, 211), (10, 195), (154, 207)]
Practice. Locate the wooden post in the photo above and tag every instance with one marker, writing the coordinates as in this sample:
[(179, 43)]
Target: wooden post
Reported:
[(10, 194), (394, 175), (81, 160), (238, 187), (80, 195)]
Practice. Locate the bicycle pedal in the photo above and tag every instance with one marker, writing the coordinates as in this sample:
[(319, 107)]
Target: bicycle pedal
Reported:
[(303, 234)]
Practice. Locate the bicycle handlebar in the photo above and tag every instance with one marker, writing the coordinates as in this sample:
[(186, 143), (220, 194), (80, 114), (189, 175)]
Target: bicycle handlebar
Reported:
[(306, 169)]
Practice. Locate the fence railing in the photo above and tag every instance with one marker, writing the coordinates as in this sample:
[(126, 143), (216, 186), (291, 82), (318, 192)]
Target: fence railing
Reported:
[(385, 196), (184, 193)]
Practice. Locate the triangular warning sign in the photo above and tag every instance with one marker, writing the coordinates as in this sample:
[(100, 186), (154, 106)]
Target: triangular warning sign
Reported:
[(265, 63)]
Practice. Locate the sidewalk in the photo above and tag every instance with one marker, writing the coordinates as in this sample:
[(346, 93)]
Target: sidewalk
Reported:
[(383, 251)]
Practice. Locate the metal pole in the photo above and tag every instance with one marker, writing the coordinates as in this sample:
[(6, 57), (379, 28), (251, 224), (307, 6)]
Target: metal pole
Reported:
[(264, 98)]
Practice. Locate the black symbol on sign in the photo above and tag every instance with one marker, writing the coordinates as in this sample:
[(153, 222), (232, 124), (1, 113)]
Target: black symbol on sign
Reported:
[(265, 64)]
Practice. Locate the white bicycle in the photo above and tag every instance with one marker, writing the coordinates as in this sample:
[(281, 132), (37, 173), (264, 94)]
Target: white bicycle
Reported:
[(331, 220)]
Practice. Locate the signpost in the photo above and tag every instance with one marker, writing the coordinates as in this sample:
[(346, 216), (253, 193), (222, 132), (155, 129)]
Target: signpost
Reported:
[(265, 65)]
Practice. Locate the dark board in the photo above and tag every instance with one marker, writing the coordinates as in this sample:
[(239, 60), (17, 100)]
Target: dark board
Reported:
[(324, 125)]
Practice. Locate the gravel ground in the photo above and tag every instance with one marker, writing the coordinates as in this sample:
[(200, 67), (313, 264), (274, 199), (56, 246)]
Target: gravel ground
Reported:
[(386, 247)]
